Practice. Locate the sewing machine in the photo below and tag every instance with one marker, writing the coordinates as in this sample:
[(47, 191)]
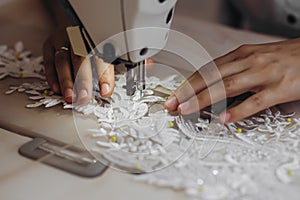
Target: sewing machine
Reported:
[(120, 31)]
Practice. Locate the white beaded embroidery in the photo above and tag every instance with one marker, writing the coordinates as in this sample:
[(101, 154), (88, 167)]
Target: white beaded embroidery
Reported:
[(17, 63), (251, 159)]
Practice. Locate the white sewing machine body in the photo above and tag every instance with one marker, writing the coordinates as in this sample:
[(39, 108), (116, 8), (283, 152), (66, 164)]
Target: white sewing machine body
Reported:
[(104, 19), (131, 30)]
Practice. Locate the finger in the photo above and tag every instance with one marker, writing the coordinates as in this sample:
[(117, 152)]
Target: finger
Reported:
[(49, 63), (184, 92), (235, 67), (63, 69), (240, 52), (250, 106), (224, 66), (241, 83), (229, 87), (106, 77), (203, 99), (60, 38), (202, 79), (83, 78)]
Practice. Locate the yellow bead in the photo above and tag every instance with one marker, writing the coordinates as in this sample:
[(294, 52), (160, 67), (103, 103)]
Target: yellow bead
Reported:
[(289, 172), (46, 92), (113, 139), (138, 166), (183, 81), (20, 74), (17, 55), (201, 188), (289, 120), (239, 130), (171, 124)]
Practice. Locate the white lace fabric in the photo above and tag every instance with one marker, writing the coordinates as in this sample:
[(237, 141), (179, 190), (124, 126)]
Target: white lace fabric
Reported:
[(254, 158)]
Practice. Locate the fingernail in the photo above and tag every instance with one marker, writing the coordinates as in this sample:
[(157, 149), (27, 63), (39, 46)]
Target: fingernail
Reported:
[(225, 117), (171, 102), (184, 108), (68, 93), (82, 94), (105, 88)]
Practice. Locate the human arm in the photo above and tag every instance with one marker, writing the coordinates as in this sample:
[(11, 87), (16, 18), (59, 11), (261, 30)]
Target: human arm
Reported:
[(271, 71), (63, 67)]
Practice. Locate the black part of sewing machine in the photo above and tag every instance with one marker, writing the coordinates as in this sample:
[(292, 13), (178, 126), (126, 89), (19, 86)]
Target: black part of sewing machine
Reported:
[(68, 10)]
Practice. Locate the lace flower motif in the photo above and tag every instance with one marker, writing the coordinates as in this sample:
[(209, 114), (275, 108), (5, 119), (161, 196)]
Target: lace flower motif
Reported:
[(205, 158), (17, 63)]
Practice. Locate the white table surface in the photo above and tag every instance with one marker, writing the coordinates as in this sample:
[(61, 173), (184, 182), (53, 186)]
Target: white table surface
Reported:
[(21, 178)]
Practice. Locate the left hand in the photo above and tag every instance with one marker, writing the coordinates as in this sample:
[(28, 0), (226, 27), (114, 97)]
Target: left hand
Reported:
[(271, 71), (62, 67)]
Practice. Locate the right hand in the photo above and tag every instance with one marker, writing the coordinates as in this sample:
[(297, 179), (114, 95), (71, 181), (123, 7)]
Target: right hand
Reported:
[(63, 67), (269, 71)]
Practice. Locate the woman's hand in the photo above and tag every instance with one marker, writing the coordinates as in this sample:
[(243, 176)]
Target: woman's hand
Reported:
[(63, 67), (271, 71)]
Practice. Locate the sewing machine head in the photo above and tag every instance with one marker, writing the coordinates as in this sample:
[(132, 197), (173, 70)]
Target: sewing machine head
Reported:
[(121, 31)]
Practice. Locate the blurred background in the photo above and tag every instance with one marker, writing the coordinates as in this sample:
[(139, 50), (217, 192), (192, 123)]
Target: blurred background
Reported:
[(19, 18), (204, 9), (264, 16)]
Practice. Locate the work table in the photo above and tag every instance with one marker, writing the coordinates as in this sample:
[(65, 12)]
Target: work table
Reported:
[(21, 178)]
